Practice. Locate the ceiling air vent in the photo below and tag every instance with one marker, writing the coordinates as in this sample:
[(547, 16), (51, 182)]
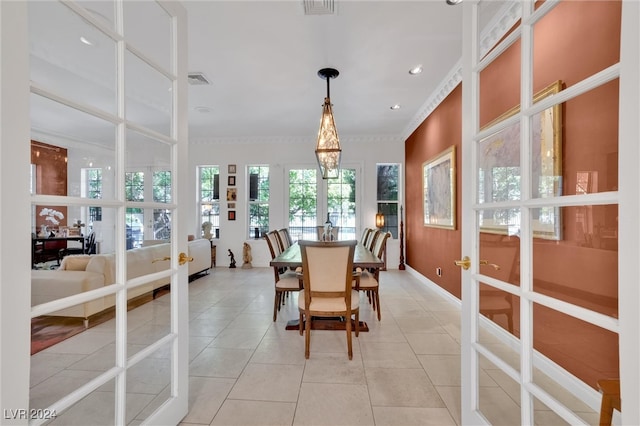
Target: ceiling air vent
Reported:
[(319, 7), (197, 78)]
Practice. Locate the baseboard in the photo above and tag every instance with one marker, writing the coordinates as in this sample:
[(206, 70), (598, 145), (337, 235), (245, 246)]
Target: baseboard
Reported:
[(568, 381)]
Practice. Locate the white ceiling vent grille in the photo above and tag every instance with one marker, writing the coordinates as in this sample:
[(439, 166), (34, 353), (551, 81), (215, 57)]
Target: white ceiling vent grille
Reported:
[(197, 78), (319, 7)]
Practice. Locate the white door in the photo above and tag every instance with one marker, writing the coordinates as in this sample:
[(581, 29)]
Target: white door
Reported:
[(105, 93), (548, 302)]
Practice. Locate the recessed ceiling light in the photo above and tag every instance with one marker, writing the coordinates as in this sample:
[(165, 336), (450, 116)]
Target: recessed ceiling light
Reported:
[(416, 70), (453, 2), (86, 41), (396, 106)]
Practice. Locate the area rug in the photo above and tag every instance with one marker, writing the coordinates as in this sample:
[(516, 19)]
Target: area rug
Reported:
[(46, 331)]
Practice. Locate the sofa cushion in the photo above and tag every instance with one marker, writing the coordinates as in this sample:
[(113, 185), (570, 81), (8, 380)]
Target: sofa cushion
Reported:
[(76, 263)]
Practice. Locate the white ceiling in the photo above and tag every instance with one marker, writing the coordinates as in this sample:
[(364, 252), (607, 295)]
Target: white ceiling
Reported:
[(262, 59)]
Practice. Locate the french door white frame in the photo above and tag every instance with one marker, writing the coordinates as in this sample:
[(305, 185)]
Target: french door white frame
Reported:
[(15, 224), (627, 197)]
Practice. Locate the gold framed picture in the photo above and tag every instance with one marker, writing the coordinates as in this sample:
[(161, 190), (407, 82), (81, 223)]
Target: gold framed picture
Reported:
[(439, 190)]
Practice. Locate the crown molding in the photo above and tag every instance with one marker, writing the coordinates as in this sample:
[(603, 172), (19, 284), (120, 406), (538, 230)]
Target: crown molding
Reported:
[(287, 140), (493, 32)]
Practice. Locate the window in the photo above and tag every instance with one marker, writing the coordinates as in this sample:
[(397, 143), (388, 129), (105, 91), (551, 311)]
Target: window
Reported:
[(303, 190), (313, 200), (209, 199), (341, 203), (387, 194), (93, 190), (162, 194), (258, 201), (134, 217)]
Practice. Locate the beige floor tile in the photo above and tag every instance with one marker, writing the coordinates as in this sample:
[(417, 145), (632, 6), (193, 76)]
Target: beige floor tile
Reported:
[(333, 404), (452, 397), (498, 407), (424, 324), (268, 382), (254, 413), (280, 351), (388, 355), (238, 339), (206, 396), (334, 368), (442, 369), (401, 388), (219, 362), (412, 416), (433, 343)]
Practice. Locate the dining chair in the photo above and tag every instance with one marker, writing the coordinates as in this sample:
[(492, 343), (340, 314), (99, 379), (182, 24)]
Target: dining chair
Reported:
[(285, 281), (370, 280), (328, 272), (365, 235), (373, 236), (284, 232), (284, 239)]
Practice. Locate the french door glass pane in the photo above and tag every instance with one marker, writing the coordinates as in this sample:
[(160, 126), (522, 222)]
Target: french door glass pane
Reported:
[(154, 37), (582, 266), (498, 395), (54, 56), (587, 351), (58, 369), (148, 95), (560, 49)]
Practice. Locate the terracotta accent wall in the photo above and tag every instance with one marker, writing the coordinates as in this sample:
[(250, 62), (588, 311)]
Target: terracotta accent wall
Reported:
[(573, 41), (429, 248), (51, 176)]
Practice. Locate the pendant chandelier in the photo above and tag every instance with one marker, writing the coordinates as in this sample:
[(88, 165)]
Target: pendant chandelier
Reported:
[(328, 151)]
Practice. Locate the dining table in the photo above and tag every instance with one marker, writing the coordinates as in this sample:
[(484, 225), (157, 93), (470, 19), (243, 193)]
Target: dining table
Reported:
[(363, 258)]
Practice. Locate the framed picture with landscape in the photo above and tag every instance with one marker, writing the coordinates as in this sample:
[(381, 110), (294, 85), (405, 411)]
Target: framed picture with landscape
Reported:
[(499, 170), (439, 190)]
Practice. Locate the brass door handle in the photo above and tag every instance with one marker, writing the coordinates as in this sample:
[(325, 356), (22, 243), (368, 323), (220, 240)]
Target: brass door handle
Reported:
[(493, 265), (465, 262), (182, 259)]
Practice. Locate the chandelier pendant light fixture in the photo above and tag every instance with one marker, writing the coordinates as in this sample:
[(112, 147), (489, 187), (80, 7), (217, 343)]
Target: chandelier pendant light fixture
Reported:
[(328, 150)]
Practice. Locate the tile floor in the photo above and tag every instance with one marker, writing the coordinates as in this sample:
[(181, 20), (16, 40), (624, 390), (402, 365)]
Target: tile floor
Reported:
[(247, 370)]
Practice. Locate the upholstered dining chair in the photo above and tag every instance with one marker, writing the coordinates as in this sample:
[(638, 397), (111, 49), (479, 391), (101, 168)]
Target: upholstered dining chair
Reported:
[(328, 272), (371, 241), (370, 280), (285, 281), (365, 235), (285, 237)]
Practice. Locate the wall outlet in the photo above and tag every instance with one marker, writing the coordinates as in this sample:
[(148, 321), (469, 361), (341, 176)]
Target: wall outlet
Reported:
[(439, 271)]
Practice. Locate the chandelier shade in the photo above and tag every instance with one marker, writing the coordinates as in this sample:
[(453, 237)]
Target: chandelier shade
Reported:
[(328, 150)]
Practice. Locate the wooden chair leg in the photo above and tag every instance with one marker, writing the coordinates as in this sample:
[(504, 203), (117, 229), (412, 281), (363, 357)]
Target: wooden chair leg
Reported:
[(378, 304), (348, 327), (610, 389), (307, 337), (276, 305)]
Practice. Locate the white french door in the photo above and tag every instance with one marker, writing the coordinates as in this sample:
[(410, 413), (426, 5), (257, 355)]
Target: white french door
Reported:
[(106, 88), (548, 300)]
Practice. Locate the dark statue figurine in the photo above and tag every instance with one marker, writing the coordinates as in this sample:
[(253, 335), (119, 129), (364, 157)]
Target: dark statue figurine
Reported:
[(233, 259)]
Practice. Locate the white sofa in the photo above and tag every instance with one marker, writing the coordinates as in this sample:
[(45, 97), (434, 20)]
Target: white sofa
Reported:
[(82, 273)]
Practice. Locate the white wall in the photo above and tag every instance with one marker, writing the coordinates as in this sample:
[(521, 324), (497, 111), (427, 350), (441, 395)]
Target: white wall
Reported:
[(366, 152)]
